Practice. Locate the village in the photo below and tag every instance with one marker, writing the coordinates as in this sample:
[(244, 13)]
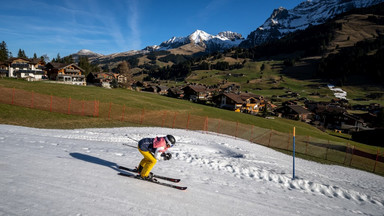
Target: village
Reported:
[(331, 115)]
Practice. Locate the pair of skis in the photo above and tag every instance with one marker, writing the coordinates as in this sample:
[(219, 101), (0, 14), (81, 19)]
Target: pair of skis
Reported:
[(155, 178)]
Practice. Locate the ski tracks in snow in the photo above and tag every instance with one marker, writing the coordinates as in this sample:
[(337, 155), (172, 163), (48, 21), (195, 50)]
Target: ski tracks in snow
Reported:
[(243, 164)]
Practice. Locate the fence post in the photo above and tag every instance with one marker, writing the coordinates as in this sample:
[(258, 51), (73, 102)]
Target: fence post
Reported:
[(237, 125), (377, 157), (94, 108), (164, 116), (306, 145), (174, 119), (142, 117), (270, 137), (50, 105), (188, 120), (32, 99), (122, 115), (346, 153), (69, 106), (13, 96), (109, 110), (206, 124), (98, 110), (326, 151), (353, 151), (289, 139), (82, 107), (218, 126), (251, 133)]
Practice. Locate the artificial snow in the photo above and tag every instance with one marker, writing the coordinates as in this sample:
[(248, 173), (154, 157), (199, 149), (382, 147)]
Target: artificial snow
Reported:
[(338, 92), (74, 172)]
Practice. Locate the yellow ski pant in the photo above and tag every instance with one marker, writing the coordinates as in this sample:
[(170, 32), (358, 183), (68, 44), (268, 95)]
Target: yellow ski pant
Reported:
[(148, 162)]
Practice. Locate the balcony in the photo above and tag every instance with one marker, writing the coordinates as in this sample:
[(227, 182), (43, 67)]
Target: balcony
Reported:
[(20, 65), (72, 71)]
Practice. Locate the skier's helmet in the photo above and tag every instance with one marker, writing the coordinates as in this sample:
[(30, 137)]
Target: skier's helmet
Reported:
[(170, 140)]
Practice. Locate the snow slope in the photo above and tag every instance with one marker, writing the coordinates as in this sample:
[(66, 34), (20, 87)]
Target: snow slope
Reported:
[(74, 172)]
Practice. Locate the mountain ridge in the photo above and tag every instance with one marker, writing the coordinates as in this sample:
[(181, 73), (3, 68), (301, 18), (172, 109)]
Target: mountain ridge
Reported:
[(219, 42), (310, 12)]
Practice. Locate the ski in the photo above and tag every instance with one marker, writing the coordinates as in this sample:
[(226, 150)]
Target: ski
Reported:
[(156, 182), (156, 176)]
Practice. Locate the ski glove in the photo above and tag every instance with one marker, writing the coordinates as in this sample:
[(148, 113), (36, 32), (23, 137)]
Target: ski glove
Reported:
[(166, 156)]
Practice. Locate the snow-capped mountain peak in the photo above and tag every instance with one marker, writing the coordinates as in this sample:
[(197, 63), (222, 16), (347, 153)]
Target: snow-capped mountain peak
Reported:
[(199, 36), (219, 42), (310, 12), (86, 52)]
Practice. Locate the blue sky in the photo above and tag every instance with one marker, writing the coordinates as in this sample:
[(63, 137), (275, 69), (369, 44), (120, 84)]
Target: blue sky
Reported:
[(66, 26)]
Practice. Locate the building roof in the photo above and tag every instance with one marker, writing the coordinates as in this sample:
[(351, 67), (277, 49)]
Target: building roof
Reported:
[(63, 65), (299, 109), (162, 88), (234, 97)]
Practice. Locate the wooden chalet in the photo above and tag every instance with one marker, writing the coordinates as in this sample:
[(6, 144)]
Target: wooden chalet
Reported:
[(294, 112), (122, 78), (138, 85), (66, 73), (175, 93), (24, 68), (150, 88), (245, 102), (196, 93), (102, 79), (229, 101), (163, 90), (252, 103)]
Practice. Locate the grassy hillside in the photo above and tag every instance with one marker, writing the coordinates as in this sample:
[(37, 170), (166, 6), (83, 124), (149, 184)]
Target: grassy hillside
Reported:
[(42, 119)]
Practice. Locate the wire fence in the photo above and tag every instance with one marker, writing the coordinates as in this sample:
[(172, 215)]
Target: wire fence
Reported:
[(337, 152)]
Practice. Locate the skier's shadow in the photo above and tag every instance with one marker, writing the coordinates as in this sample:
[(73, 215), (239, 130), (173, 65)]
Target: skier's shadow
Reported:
[(95, 160)]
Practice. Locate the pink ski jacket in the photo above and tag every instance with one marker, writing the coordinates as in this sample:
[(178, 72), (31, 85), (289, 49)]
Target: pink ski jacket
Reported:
[(160, 145)]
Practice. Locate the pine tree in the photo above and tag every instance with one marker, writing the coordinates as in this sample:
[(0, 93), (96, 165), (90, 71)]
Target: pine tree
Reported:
[(58, 58), (21, 54), (86, 66), (3, 52)]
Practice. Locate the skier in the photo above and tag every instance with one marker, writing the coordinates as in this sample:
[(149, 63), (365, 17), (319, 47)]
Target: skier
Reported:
[(153, 149)]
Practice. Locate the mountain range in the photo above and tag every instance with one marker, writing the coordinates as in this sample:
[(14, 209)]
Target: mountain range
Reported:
[(219, 42), (280, 23), (311, 12)]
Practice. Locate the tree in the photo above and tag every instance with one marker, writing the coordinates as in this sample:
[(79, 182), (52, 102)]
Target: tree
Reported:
[(34, 56), (88, 68), (67, 59), (3, 51), (123, 68), (21, 54), (57, 59), (262, 67)]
